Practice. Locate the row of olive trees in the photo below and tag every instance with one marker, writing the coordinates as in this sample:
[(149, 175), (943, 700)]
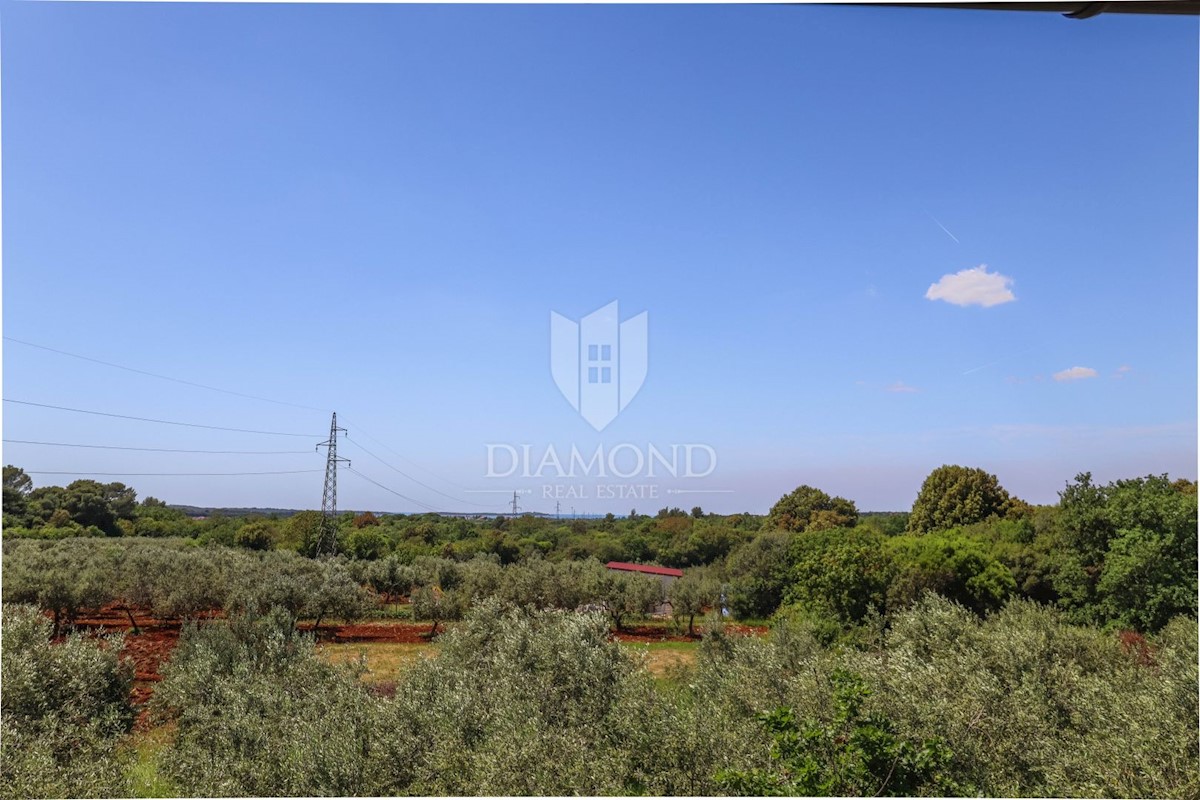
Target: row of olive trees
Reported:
[(443, 589), (526, 702), (171, 579)]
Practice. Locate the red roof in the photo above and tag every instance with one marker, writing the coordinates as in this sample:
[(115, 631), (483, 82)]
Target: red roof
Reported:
[(674, 573)]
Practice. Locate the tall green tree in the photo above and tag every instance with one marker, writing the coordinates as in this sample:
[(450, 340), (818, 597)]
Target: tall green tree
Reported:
[(840, 574), (17, 486), (758, 573), (952, 496), (1128, 554), (807, 508)]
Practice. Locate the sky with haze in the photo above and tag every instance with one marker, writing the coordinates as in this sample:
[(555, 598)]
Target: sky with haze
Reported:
[(868, 241)]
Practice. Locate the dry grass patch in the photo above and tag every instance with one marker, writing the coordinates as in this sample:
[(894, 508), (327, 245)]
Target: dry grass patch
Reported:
[(385, 660)]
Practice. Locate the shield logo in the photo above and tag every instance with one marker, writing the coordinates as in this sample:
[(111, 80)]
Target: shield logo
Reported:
[(598, 363)]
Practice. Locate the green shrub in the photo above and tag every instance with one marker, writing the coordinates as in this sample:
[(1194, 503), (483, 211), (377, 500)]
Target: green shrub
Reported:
[(65, 711), (257, 713), (854, 754)]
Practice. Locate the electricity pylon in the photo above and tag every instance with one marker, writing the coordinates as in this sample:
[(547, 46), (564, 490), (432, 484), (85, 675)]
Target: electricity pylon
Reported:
[(327, 539)]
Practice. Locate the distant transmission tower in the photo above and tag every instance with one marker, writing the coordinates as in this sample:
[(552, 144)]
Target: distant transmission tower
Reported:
[(327, 539), (514, 504)]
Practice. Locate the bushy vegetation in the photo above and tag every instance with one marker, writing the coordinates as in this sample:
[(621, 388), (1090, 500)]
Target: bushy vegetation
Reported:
[(1122, 554), (542, 702), (977, 646), (65, 710)]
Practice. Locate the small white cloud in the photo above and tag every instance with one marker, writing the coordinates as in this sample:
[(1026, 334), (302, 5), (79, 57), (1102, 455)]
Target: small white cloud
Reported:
[(1075, 374), (973, 287), (900, 386), (1122, 371)]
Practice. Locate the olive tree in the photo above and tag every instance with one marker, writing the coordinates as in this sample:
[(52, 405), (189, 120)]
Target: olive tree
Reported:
[(691, 594), (432, 603), (65, 711), (257, 713), (390, 577)]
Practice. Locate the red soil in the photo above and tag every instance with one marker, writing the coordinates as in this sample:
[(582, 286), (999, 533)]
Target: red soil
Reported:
[(155, 639), (649, 633), (390, 632), (146, 649)]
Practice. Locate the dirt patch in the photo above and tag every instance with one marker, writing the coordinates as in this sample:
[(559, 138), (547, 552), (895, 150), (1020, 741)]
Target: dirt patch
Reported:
[(746, 630), (148, 649), (651, 633), (383, 632)]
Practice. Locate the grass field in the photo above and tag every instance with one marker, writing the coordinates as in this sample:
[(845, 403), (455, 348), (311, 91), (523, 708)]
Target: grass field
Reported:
[(384, 660), (666, 661)]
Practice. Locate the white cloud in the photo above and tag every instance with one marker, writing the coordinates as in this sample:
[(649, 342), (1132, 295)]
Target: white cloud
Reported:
[(900, 386), (1122, 371), (973, 287), (1075, 374)]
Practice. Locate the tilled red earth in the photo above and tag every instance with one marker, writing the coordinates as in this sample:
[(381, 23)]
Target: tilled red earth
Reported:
[(155, 639), (389, 632), (644, 634), (147, 649)]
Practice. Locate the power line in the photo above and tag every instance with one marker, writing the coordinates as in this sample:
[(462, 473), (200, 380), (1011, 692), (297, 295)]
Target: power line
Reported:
[(159, 421), (163, 449), (426, 506), (252, 397), (162, 377), (411, 478), (402, 457), (168, 474)]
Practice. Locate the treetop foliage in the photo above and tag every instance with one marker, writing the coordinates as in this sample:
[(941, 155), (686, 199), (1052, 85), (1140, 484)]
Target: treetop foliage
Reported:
[(807, 508), (952, 496)]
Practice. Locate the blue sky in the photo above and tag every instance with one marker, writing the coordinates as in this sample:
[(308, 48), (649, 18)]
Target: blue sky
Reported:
[(374, 209)]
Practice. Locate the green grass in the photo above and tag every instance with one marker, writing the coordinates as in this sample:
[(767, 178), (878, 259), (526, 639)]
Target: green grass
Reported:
[(145, 779), (394, 611), (667, 662)]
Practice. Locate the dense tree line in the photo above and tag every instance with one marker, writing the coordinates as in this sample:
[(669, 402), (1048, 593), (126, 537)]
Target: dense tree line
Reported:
[(1123, 554)]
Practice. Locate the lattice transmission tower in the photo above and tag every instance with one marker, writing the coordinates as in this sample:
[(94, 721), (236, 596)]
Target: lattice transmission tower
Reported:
[(327, 539)]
